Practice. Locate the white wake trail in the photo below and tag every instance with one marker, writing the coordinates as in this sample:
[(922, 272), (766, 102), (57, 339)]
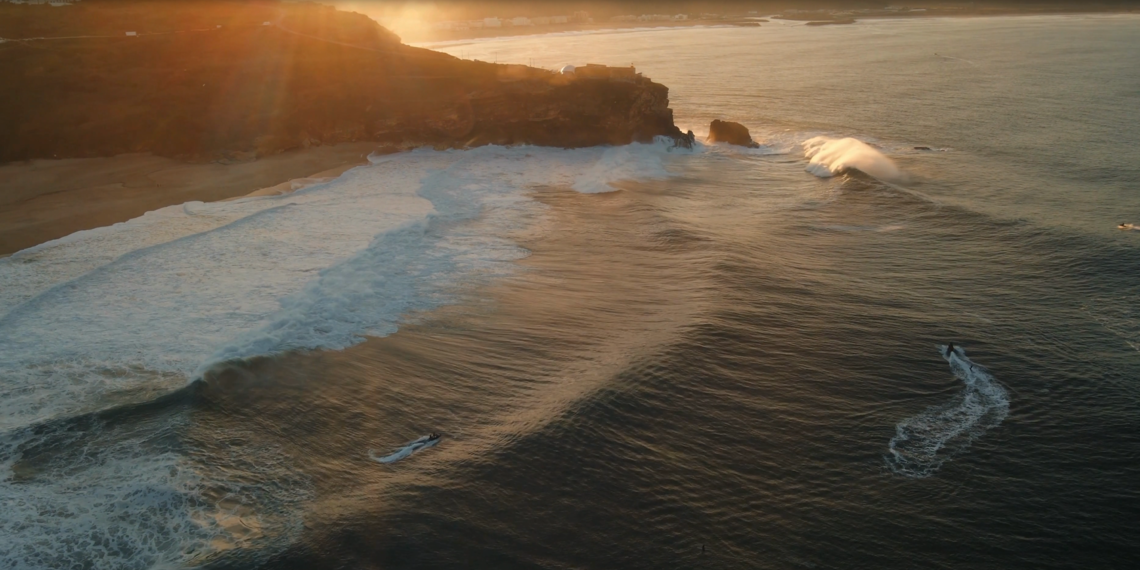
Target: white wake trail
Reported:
[(406, 451), (924, 442)]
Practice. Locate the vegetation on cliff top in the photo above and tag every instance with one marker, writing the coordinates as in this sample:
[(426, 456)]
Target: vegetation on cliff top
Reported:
[(207, 79)]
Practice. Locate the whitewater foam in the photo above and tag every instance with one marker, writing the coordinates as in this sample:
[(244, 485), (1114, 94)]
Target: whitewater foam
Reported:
[(828, 157), (924, 442), (92, 499), (177, 290), (630, 162), (118, 314)]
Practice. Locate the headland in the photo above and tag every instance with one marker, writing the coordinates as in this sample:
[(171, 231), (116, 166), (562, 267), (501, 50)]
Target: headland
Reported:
[(216, 99)]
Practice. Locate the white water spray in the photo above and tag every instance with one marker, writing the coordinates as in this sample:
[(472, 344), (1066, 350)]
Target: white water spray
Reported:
[(828, 157)]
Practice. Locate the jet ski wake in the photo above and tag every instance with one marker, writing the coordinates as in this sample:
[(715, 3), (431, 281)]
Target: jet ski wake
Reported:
[(924, 442), (407, 451)]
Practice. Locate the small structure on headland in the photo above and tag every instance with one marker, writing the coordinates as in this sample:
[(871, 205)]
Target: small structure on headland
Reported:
[(595, 71)]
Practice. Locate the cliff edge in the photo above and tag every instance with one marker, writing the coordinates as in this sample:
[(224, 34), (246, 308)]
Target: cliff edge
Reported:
[(229, 80)]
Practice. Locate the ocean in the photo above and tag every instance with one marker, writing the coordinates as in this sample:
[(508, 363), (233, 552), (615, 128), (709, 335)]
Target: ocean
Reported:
[(634, 357)]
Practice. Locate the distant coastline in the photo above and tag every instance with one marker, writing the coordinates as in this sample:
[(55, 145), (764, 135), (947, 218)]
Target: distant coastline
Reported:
[(441, 37), (486, 33)]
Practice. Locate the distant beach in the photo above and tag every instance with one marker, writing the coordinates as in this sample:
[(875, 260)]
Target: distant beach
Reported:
[(811, 18), (435, 37)]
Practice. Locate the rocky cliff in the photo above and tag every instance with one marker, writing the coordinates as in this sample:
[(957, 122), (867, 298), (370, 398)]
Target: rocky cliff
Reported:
[(209, 80), (525, 105)]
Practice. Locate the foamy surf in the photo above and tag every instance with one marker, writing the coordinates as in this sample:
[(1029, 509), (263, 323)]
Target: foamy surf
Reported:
[(924, 442), (829, 157), (629, 162), (116, 497), (169, 294), (127, 312)]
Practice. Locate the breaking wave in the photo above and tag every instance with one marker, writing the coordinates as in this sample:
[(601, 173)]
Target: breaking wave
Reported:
[(924, 442), (828, 157)]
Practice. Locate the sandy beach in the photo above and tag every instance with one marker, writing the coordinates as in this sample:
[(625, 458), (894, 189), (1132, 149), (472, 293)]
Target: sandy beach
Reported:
[(42, 200), (430, 37)]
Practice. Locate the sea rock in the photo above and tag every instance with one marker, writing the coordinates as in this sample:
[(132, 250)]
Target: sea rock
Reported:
[(731, 133), (686, 140)]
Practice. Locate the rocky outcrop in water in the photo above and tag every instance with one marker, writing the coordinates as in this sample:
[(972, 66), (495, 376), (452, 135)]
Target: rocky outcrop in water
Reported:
[(279, 76), (731, 133)]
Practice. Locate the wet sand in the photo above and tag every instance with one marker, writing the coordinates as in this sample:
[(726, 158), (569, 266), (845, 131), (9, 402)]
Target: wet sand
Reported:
[(42, 200)]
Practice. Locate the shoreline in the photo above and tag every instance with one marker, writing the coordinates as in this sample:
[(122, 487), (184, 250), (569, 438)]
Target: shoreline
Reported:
[(422, 40), (452, 38), (47, 199)]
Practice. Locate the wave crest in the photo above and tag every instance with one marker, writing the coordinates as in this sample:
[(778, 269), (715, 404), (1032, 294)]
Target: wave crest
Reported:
[(828, 157)]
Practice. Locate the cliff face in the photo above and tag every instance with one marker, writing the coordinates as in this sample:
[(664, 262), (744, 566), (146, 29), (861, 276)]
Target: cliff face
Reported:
[(279, 76), (536, 107)]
